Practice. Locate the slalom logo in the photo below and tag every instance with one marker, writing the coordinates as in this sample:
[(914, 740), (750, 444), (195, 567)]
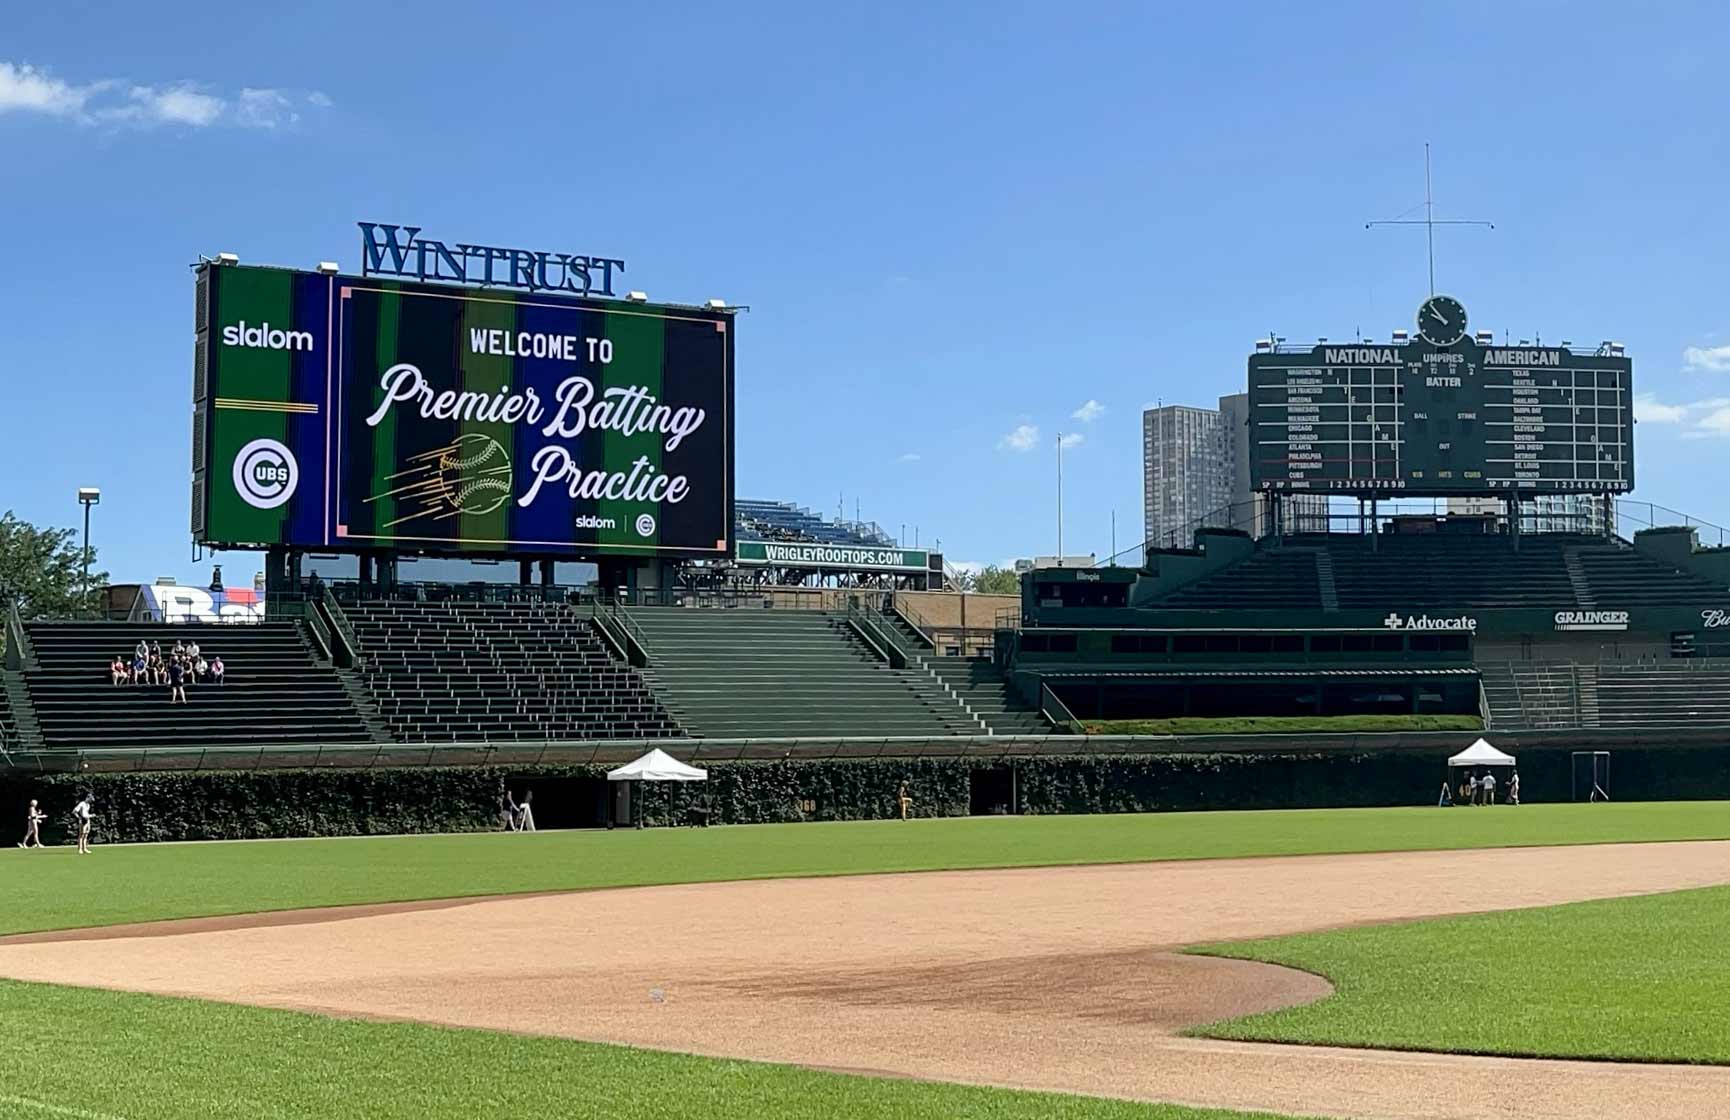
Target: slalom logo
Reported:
[(1396, 621), (589, 521), (645, 525), (265, 337), (1591, 620), (265, 474)]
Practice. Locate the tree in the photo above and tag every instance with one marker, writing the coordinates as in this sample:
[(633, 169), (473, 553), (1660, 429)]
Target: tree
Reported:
[(993, 580), (41, 570)]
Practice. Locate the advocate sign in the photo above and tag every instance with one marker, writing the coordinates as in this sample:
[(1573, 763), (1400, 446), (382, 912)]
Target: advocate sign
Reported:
[(801, 555)]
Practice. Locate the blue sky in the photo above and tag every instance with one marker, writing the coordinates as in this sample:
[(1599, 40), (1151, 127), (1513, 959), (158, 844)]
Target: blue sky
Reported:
[(955, 225)]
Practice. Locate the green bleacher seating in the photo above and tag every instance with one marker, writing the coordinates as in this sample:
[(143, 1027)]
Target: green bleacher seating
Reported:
[(756, 673), (276, 691), (1663, 695), (499, 671), (1423, 571)]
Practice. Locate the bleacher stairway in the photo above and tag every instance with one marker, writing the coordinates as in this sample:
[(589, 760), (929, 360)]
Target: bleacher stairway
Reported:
[(753, 673), (276, 690), (497, 671), (975, 681)]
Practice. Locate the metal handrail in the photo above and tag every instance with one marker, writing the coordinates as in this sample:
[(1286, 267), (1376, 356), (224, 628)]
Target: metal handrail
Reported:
[(867, 629), (320, 635), (20, 653), (1050, 702), (619, 615), (343, 627)]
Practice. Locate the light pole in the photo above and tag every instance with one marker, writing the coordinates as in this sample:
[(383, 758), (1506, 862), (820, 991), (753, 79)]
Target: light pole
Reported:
[(1060, 499), (87, 497)]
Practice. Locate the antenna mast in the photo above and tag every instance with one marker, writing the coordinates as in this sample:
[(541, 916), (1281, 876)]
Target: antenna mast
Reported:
[(1430, 221)]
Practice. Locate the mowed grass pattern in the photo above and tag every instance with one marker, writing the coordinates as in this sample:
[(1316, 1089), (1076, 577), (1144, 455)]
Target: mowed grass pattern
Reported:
[(101, 1055), (1643, 979), (56, 889)]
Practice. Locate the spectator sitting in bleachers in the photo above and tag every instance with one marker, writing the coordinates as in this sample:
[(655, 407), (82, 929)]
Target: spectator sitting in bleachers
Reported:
[(118, 672), (201, 669), (139, 666), (216, 669)]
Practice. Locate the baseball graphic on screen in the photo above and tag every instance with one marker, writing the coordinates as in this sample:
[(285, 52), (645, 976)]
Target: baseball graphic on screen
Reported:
[(474, 474), (471, 474)]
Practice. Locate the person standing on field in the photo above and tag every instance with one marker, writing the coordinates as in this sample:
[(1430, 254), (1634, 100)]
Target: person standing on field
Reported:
[(33, 818), (905, 800), (1489, 789), (1474, 788), (84, 812), (1514, 789)]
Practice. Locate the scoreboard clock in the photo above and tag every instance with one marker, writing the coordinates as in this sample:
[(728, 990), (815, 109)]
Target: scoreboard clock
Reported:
[(1441, 414)]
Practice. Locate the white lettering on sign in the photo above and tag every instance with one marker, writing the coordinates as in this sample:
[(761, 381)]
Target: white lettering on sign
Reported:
[(1523, 357), (1442, 382), (265, 337), (1714, 619), (534, 344), (1360, 356), (1591, 620), (1396, 621)]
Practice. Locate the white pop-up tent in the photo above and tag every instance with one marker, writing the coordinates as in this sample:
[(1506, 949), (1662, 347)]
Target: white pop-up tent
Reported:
[(1481, 753), (657, 766)]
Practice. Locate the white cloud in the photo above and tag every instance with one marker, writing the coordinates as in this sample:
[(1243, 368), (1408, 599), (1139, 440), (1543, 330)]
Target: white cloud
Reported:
[(1715, 423), (909, 457), (1073, 439), (178, 104), (1706, 359), (1703, 419), (264, 108), (1650, 410), (31, 89), (1088, 412), (27, 89), (320, 99), (1025, 437)]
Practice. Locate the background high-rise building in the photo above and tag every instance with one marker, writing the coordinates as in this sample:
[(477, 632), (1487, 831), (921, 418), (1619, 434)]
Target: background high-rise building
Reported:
[(1545, 513), (1195, 472), (1186, 471), (1299, 513)]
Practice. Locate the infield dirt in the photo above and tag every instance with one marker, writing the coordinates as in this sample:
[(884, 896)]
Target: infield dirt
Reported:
[(1059, 979)]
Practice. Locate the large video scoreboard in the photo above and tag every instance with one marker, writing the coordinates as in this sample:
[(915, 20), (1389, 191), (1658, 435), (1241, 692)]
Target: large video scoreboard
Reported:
[(349, 413), (1441, 414)]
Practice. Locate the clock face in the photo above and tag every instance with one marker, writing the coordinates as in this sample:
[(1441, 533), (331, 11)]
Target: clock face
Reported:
[(1442, 320)]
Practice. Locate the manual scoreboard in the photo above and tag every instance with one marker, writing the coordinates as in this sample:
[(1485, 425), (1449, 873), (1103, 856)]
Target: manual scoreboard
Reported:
[(1441, 414)]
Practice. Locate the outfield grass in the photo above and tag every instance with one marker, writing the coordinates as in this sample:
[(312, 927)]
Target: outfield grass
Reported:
[(1643, 979), (108, 1055), (1279, 725), (57, 889)]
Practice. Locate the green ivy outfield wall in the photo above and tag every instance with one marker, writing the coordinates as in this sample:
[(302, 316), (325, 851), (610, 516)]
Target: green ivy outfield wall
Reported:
[(138, 807)]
